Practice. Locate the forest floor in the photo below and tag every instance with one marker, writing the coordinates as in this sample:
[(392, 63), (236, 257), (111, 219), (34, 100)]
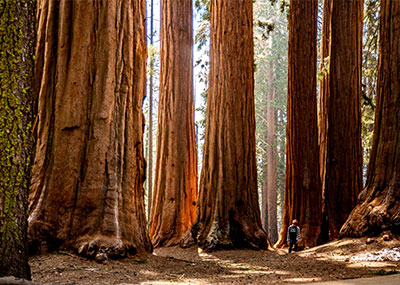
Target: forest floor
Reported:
[(337, 260)]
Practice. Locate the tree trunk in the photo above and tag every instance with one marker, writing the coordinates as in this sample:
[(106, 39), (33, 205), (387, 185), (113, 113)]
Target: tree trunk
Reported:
[(175, 188), (303, 196), (342, 108), (322, 111), (229, 214), (150, 147), (17, 26), (264, 202), (378, 207), (271, 160), (87, 186), (324, 84)]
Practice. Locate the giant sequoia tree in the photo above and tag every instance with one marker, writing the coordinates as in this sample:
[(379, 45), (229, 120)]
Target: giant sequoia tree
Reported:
[(17, 36), (87, 186), (302, 183), (340, 115), (229, 214), (175, 189), (378, 208)]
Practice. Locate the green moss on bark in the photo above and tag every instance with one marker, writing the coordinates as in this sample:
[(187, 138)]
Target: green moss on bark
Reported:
[(17, 34)]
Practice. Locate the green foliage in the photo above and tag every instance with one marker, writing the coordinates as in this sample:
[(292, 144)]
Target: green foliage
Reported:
[(383, 272), (203, 33), (369, 74)]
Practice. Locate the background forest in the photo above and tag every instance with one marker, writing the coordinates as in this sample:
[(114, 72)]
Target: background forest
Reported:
[(271, 48), (129, 126)]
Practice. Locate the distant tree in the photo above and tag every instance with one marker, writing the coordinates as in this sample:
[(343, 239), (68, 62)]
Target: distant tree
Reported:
[(175, 188), (228, 210), (303, 197), (270, 38), (340, 112), (87, 186), (17, 34), (271, 183), (378, 207)]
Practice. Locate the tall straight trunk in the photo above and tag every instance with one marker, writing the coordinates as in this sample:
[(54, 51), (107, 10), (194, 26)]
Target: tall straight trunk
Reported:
[(264, 202), (87, 186), (17, 33), (229, 214), (342, 108), (303, 196), (150, 147), (175, 188), (322, 111), (271, 160), (378, 207), (324, 84)]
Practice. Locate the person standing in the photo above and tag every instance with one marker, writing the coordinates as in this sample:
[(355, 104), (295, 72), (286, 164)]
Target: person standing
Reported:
[(293, 235)]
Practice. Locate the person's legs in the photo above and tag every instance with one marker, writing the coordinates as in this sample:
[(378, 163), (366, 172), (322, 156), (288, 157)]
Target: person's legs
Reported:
[(295, 246), (290, 246)]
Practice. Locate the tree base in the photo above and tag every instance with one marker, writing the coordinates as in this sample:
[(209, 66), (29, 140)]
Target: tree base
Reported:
[(237, 234), (98, 246), (101, 248), (372, 218)]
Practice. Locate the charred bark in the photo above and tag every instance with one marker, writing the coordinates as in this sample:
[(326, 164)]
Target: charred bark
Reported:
[(87, 186), (229, 214), (175, 188), (378, 207), (303, 196)]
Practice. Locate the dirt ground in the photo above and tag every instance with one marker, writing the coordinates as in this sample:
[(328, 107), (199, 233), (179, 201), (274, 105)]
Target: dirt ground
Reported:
[(332, 261)]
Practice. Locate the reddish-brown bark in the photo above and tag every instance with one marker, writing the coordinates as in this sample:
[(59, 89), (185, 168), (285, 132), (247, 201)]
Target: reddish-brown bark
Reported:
[(378, 207), (324, 84), (175, 189), (303, 196), (229, 214), (340, 118), (87, 186)]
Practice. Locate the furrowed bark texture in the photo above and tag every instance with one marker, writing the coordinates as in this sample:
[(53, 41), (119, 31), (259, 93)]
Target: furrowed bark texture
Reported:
[(342, 107), (175, 188), (303, 196), (87, 186), (229, 214), (378, 207), (17, 41), (322, 111)]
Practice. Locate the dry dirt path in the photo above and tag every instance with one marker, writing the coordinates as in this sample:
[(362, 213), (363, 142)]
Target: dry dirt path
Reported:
[(330, 262)]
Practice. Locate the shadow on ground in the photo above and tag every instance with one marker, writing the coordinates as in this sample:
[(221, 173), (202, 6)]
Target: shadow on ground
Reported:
[(193, 266)]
